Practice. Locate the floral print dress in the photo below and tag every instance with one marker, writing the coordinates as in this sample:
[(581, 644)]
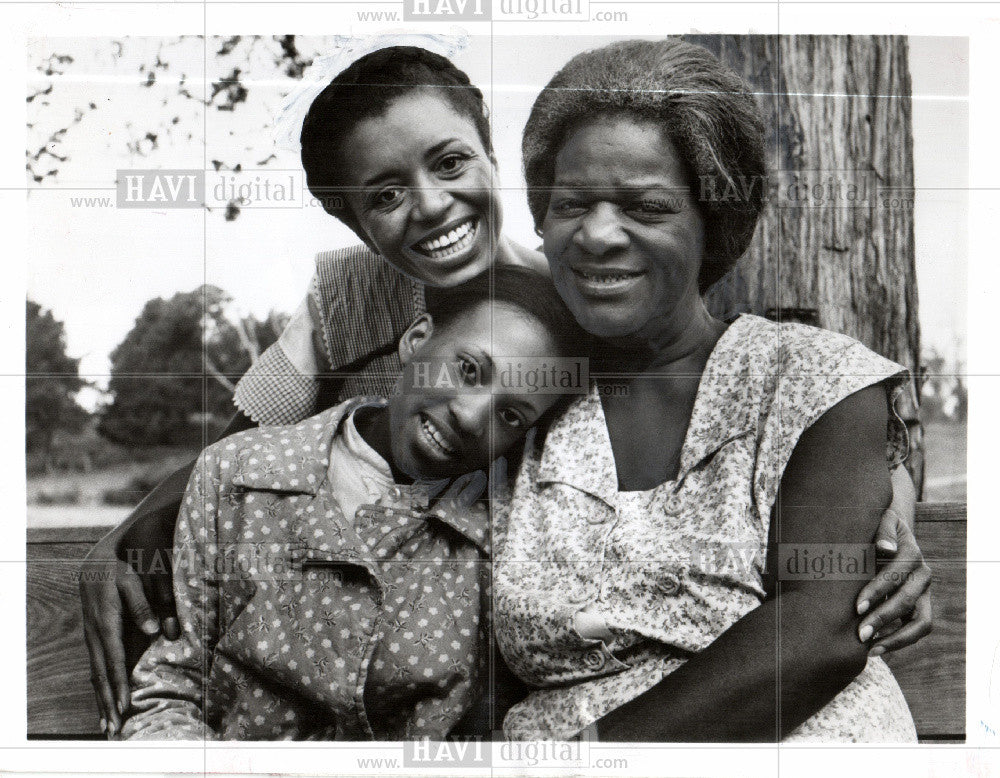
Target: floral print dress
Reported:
[(663, 573)]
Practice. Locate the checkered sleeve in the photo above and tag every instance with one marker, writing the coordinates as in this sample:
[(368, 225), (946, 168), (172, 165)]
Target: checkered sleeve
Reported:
[(273, 391), (341, 341)]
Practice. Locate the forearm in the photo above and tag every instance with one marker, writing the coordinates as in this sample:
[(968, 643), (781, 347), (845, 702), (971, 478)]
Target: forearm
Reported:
[(169, 683), (730, 691)]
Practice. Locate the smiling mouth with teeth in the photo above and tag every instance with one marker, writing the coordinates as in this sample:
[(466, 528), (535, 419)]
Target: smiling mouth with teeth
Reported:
[(433, 435), (607, 278), (452, 242)]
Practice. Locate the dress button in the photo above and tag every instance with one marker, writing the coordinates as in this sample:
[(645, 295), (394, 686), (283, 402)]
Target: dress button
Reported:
[(669, 585), (595, 518), (594, 659)]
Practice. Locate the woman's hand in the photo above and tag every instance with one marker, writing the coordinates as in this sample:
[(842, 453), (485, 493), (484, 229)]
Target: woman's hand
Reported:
[(902, 587), (110, 588), (115, 596), (111, 592)]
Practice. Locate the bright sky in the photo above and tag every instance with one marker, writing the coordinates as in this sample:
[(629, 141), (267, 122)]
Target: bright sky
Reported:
[(95, 267)]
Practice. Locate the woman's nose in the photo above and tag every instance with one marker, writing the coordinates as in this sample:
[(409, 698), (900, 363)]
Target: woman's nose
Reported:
[(600, 230), (432, 201), (471, 412)]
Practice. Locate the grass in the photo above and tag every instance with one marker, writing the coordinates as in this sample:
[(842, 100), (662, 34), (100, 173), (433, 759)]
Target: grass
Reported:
[(945, 458), (91, 487)]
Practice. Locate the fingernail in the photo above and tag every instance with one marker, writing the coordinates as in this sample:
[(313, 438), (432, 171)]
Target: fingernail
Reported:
[(151, 626), (877, 651), (865, 633), (886, 545), (863, 607), (121, 708), (104, 725)]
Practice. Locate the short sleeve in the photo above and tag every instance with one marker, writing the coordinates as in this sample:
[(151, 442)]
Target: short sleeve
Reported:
[(282, 386), (814, 371), (341, 341)]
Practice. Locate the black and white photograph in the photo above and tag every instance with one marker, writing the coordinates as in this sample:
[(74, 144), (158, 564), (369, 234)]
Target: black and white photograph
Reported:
[(462, 396)]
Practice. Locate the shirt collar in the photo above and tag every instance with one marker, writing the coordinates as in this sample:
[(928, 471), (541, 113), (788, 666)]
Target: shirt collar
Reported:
[(364, 305), (577, 449), (471, 521), (293, 459), (296, 460), (724, 406)]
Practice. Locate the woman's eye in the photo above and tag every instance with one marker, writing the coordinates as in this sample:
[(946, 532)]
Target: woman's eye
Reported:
[(512, 418), (653, 207), (567, 207), (387, 197), (452, 163), (468, 372)]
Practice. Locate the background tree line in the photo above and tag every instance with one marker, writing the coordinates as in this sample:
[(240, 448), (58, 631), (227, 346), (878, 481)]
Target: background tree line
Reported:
[(171, 381)]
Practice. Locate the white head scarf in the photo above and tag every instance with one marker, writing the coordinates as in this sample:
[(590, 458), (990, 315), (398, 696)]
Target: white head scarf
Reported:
[(347, 50)]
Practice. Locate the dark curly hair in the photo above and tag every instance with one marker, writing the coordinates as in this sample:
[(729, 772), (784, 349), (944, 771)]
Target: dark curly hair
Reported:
[(523, 288), (365, 90), (704, 108), (535, 296)]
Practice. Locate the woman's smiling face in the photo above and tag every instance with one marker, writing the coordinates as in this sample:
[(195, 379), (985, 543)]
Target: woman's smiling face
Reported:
[(453, 410), (420, 185), (623, 234)]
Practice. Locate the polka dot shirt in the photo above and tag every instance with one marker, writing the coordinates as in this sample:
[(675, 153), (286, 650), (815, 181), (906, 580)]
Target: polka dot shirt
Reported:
[(299, 623)]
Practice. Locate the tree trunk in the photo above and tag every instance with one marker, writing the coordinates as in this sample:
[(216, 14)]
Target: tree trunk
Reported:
[(835, 245)]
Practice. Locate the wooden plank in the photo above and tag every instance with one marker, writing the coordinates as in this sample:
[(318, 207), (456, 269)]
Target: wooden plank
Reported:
[(87, 535), (940, 511), (932, 672), (60, 697)]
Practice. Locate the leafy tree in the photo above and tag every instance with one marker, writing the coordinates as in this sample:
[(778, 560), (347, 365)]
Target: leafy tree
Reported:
[(169, 110), (173, 375), (52, 379)]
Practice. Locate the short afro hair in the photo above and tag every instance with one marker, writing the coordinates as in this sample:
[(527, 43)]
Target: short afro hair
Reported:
[(527, 290), (704, 108), (364, 90)]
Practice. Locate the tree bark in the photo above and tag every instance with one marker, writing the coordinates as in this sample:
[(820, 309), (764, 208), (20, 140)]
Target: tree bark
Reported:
[(840, 256)]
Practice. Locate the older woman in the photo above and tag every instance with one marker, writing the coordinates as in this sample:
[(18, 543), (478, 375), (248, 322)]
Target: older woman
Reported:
[(649, 577)]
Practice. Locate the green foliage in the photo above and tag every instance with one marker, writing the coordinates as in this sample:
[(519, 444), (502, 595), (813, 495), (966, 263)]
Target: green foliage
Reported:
[(172, 377), (52, 379), (138, 485), (944, 396), (65, 495)]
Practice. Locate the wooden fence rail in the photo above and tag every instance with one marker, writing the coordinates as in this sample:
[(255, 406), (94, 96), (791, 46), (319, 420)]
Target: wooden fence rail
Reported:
[(61, 702)]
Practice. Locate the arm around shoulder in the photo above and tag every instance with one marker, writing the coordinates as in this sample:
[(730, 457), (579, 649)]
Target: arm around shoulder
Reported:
[(832, 492)]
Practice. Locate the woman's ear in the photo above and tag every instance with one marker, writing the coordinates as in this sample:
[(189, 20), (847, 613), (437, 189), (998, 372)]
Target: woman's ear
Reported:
[(418, 333), (358, 230), (339, 207)]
